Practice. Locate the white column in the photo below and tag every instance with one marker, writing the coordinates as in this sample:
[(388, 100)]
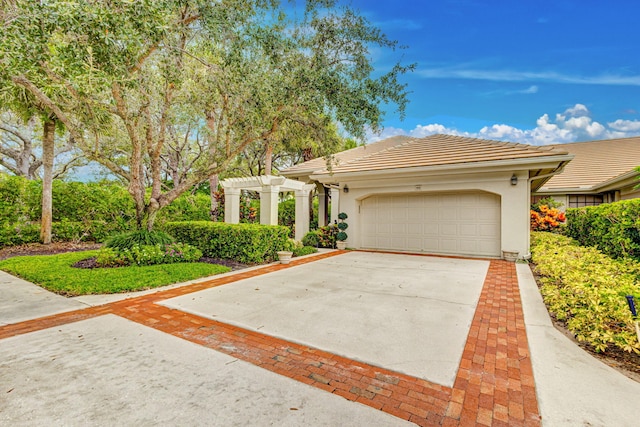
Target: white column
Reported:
[(302, 213), (232, 205), (335, 204), (322, 205), (269, 204)]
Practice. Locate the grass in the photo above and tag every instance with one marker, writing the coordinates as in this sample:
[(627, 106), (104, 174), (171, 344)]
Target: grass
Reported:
[(54, 273)]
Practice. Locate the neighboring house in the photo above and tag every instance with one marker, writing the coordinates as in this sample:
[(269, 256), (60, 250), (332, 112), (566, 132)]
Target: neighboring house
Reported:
[(440, 195), (601, 172)]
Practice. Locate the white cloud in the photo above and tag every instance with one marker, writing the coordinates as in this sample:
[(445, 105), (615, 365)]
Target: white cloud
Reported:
[(574, 124), (577, 111), (530, 90), (625, 125)]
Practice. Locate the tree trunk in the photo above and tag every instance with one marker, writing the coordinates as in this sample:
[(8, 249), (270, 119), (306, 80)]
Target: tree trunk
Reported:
[(268, 156), (48, 139), (213, 188)]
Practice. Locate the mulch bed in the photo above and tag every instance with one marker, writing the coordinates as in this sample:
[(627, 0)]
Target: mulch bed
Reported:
[(52, 249), (91, 263)]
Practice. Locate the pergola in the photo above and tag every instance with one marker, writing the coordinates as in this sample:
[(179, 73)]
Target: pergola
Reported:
[(269, 187)]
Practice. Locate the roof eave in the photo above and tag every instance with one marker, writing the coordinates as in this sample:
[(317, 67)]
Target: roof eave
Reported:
[(611, 184), (540, 162)]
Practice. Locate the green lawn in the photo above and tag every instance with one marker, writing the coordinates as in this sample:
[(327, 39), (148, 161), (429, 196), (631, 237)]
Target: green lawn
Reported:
[(54, 273)]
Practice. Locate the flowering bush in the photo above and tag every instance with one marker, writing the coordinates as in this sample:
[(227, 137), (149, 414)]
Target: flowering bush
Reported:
[(148, 255), (545, 218)]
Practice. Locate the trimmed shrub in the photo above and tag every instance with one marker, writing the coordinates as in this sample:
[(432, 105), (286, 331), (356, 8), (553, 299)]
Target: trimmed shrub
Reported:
[(139, 238), (246, 243), (83, 231), (614, 228), (311, 239), (147, 255), (304, 250), (187, 207), (586, 289), (323, 237), (18, 234)]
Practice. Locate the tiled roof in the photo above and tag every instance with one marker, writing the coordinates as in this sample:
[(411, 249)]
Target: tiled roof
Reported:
[(438, 150), (345, 156), (596, 162)]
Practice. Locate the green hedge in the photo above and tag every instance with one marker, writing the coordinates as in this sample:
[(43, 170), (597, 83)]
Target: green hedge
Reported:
[(62, 231), (246, 243), (586, 289), (614, 228), (81, 211)]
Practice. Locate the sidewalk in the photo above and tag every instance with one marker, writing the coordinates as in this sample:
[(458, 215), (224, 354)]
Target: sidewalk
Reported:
[(574, 388)]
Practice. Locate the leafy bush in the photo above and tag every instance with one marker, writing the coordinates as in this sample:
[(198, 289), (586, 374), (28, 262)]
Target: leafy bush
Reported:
[(327, 236), (246, 243), (81, 211), (18, 234), (147, 255), (586, 289), (312, 238), (304, 250), (139, 238), (614, 228), (187, 207), (545, 218)]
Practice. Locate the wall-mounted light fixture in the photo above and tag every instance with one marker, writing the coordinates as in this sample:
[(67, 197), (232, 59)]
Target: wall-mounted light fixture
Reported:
[(345, 189), (514, 179)]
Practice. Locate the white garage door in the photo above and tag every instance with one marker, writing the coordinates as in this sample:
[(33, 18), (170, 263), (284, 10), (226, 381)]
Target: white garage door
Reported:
[(447, 223)]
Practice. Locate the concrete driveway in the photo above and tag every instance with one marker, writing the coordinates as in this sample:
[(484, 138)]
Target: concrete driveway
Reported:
[(410, 314)]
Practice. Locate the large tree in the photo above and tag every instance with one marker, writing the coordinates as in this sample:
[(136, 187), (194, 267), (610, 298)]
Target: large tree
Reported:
[(21, 148), (16, 53), (129, 79)]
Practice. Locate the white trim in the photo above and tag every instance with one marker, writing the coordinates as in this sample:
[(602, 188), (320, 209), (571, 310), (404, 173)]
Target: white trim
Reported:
[(454, 168)]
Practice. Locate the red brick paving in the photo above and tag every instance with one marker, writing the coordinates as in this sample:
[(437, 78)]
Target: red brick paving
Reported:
[(494, 384)]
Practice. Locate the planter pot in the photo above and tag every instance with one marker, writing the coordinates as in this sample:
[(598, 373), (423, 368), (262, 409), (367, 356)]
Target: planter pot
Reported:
[(284, 257), (511, 256), (342, 245)]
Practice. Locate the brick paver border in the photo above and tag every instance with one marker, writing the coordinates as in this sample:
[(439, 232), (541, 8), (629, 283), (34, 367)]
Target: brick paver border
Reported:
[(494, 384)]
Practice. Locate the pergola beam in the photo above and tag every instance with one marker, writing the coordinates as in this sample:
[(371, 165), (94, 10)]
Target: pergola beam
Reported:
[(269, 187)]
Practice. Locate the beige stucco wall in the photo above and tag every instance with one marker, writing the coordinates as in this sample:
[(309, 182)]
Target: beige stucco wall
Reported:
[(515, 200), (629, 193)]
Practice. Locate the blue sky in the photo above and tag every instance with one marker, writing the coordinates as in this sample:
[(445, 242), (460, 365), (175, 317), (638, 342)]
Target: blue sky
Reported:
[(537, 72)]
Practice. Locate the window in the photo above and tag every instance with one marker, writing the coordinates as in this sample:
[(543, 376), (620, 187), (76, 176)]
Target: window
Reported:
[(581, 200), (536, 199)]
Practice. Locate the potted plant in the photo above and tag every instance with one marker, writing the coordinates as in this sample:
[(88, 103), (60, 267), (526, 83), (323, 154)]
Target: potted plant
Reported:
[(284, 256), (341, 237)]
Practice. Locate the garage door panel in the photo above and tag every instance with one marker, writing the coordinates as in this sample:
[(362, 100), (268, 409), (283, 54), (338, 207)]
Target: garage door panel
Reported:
[(488, 230), (467, 214), (414, 244), (399, 228), (468, 246), (430, 229), (449, 245), (468, 230), (450, 229), (462, 223)]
